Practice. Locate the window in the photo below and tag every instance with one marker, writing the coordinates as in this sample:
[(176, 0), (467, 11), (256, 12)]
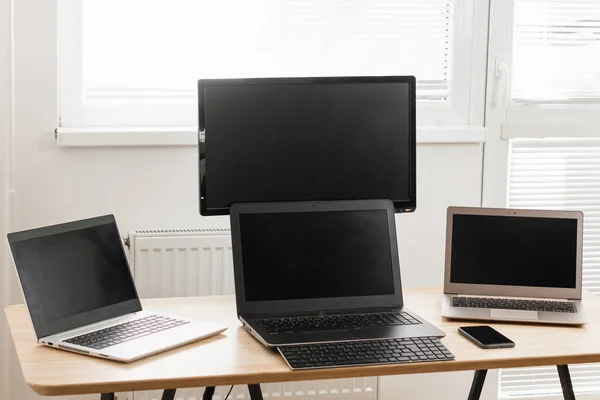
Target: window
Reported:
[(555, 74), (556, 57), (564, 175), (142, 72), (264, 38)]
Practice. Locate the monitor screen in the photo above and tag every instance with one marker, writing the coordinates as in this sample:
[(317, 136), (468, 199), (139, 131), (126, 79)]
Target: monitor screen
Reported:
[(71, 273), (306, 139), (327, 254), (514, 251)]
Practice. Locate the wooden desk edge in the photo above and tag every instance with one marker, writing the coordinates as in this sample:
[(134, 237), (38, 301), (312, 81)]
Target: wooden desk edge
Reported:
[(45, 389)]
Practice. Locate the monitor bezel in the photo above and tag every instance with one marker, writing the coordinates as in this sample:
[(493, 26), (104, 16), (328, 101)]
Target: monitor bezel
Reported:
[(399, 205), (50, 327), (509, 290), (245, 307)]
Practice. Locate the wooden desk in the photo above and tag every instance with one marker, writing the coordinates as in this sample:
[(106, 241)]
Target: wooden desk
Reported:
[(234, 357)]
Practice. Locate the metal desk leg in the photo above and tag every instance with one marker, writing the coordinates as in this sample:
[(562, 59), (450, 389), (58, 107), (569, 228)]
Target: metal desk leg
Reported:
[(169, 394), (208, 393), (107, 396), (565, 382), (477, 385), (255, 392)]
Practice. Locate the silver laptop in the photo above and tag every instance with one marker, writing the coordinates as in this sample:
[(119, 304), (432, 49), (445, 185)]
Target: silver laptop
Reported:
[(513, 265), (81, 296)]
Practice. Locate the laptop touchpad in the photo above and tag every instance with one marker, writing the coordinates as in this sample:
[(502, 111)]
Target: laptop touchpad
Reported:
[(513, 314)]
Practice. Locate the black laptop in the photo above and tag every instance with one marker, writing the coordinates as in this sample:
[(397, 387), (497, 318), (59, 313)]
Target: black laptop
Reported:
[(320, 272)]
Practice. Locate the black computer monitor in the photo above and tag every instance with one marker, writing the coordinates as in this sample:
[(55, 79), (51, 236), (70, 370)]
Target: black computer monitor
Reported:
[(306, 139)]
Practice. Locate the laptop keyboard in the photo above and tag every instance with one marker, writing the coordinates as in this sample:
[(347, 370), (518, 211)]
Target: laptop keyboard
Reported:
[(365, 352), (117, 334), (300, 324), (514, 304)]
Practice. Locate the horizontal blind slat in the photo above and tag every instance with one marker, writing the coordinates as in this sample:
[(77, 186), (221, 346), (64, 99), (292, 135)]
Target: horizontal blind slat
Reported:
[(558, 174), (556, 55), (204, 39)]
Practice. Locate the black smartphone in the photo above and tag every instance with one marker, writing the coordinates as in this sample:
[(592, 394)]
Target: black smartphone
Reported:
[(486, 337)]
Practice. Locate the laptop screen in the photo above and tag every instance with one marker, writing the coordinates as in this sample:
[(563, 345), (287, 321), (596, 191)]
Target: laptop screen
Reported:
[(72, 273), (514, 251), (311, 255)]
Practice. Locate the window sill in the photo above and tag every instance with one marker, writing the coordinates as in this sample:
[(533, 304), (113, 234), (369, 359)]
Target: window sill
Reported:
[(188, 136)]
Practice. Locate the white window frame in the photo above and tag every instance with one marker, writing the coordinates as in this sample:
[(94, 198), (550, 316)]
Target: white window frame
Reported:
[(530, 119), (525, 121), (460, 120), (496, 148)]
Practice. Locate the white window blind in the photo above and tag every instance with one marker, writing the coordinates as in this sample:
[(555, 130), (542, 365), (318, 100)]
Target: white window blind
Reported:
[(556, 54), (564, 175), (156, 50)]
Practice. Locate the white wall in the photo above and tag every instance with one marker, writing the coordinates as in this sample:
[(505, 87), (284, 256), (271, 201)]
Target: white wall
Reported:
[(5, 131), (447, 174), (157, 187)]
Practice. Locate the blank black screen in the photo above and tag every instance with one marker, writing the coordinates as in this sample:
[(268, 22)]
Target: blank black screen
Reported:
[(486, 335), (316, 255), (515, 251), (73, 272), (342, 141)]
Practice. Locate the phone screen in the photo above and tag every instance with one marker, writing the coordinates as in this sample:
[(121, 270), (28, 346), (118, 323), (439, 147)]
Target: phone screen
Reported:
[(486, 335)]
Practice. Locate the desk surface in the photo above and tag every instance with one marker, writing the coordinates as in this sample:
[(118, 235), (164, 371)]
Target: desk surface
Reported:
[(234, 357)]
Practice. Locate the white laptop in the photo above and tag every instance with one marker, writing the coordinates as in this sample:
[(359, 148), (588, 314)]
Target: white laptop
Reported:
[(513, 265), (81, 296)]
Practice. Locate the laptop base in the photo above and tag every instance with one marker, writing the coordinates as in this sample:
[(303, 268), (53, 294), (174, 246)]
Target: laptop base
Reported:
[(538, 317), (139, 347), (423, 329)]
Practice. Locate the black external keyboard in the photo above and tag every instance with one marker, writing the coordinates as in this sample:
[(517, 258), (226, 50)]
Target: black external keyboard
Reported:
[(125, 332), (300, 324), (365, 352), (514, 304)]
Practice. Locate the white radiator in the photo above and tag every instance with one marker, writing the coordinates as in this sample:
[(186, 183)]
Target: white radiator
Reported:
[(180, 263), (198, 262)]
